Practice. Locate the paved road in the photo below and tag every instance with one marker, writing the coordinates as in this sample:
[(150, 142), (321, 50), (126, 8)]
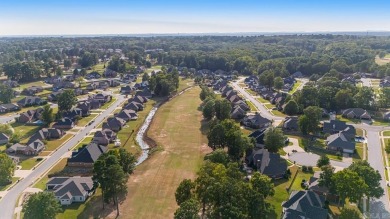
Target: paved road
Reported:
[(7, 203), (263, 110)]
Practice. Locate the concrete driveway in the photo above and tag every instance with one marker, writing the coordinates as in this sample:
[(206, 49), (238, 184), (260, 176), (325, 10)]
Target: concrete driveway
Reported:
[(310, 159)]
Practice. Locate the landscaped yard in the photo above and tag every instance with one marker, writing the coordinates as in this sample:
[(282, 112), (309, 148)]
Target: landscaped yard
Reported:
[(98, 68), (261, 100), (386, 133), (250, 104), (359, 152), (24, 131), (5, 187), (295, 87), (41, 184), (153, 68), (107, 105), (86, 140), (278, 113), (29, 163), (54, 144), (2, 148), (85, 120)]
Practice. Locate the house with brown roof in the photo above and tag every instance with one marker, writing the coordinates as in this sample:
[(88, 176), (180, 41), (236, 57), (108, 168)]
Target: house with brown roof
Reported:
[(87, 155), (64, 123), (104, 137)]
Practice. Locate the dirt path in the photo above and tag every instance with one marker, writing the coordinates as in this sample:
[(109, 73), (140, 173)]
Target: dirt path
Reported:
[(176, 129)]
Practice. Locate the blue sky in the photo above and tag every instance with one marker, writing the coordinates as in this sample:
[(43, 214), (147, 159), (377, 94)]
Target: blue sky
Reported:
[(42, 17)]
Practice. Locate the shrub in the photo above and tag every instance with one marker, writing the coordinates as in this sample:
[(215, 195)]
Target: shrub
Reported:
[(310, 169), (304, 168)]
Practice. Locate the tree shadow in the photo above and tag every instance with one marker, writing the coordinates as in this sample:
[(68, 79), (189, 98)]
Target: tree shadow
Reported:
[(378, 210), (204, 127)]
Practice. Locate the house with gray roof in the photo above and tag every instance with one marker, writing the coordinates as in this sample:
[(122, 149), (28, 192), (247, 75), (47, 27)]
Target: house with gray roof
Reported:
[(64, 123), (87, 155), (8, 107), (31, 101), (114, 124), (134, 106), (237, 113), (46, 134), (341, 142), (127, 115), (68, 190), (335, 126), (256, 121), (33, 148), (3, 138), (304, 205), (104, 137), (356, 113), (267, 163), (291, 123)]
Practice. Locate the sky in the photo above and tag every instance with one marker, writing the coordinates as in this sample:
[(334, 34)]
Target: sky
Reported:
[(79, 17)]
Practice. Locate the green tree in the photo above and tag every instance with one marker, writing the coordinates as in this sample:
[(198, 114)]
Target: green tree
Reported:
[(209, 109), (313, 115), (344, 99), (326, 177), (184, 191), (323, 161), (218, 156), (303, 124), (6, 93), (262, 184), (216, 137), (267, 78), (6, 129), (370, 176), (349, 213), (47, 114), (222, 109), (7, 169), (145, 77), (274, 139), (364, 98), (384, 97), (291, 108), (41, 205), (126, 160), (66, 100), (278, 83), (67, 63), (188, 210), (59, 71), (349, 184)]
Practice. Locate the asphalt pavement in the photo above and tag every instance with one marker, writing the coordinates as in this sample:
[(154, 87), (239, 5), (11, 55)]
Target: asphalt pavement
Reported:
[(8, 202)]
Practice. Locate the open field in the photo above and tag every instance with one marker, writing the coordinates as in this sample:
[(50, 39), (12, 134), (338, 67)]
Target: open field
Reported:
[(383, 61), (183, 149)]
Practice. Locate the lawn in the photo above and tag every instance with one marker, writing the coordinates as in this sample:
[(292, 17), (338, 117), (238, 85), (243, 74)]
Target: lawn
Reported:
[(278, 113), (183, 148), (262, 100), (386, 133), (98, 68), (153, 68), (250, 104), (295, 87), (85, 120), (86, 140), (108, 104), (2, 148), (29, 163), (184, 83), (359, 152), (356, 121), (24, 131), (35, 83), (360, 132), (41, 184), (54, 144), (5, 187)]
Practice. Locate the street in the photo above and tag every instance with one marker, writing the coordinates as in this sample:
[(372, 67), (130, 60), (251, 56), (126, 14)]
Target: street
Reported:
[(7, 203)]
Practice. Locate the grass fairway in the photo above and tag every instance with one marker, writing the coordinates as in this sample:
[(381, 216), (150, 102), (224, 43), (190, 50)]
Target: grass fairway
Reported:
[(184, 146)]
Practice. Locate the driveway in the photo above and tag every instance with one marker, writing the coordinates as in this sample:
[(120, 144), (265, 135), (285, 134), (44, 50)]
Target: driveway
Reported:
[(310, 159), (7, 203), (366, 82)]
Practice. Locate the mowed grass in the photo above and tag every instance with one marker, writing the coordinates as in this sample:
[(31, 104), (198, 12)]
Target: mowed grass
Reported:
[(85, 120), (24, 131), (54, 144), (29, 163), (295, 87), (41, 184), (35, 83), (5, 187), (386, 133), (183, 148)]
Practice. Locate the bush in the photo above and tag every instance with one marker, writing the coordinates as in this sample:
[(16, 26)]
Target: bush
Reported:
[(310, 169), (304, 168)]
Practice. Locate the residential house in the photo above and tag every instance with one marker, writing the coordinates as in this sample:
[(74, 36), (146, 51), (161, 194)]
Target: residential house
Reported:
[(258, 135), (113, 82), (138, 99), (144, 93), (304, 204), (64, 123), (356, 113), (30, 116), (297, 74), (53, 80), (31, 101), (102, 98), (11, 83), (87, 155), (3, 138), (126, 90), (386, 115), (63, 85), (85, 107), (127, 115), (95, 104), (104, 137), (234, 99), (93, 75), (341, 142), (243, 105), (92, 86), (68, 190), (336, 126), (73, 114), (108, 73), (31, 91), (46, 134), (33, 148), (134, 106), (291, 123), (114, 124), (314, 185), (256, 121), (53, 96), (8, 107), (237, 112), (267, 163)]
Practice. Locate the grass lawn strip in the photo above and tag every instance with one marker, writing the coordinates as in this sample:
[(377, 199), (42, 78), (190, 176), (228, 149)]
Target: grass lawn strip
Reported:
[(54, 144)]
